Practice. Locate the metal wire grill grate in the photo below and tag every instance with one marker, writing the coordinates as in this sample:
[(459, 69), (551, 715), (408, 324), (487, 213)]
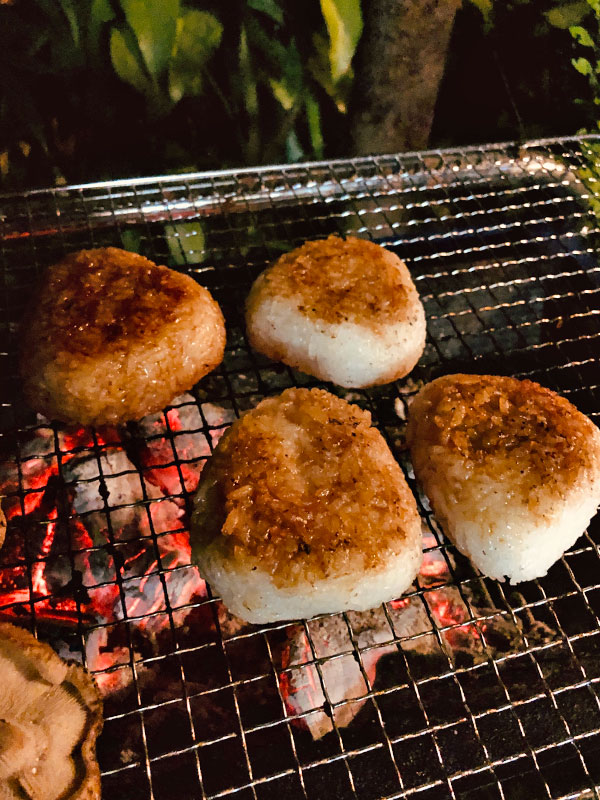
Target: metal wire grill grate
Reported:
[(465, 688)]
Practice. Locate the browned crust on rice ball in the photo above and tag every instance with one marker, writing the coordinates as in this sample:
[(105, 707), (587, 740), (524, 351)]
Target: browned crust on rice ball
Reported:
[(339, 280), (304, 487), (490, 422), (111, 336)]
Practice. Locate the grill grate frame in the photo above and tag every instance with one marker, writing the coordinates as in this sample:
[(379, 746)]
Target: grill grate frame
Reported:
[(501, 241)]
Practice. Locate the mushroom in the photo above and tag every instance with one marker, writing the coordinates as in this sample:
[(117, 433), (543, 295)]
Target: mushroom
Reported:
[(50, 716)]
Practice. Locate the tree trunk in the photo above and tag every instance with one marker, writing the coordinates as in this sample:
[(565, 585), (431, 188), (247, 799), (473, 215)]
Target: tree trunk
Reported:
[(398, 69)]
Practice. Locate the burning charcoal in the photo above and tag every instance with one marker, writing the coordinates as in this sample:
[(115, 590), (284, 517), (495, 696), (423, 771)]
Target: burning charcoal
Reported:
[(131, 525), (181, 434), (301, 686), (186, 417), (37, 463), (116, 522), (373, 636), (230, 625), (410, 620), (122, 486), (166, 514), (2, 527), (85, 472), (341, 677), (102, 655)]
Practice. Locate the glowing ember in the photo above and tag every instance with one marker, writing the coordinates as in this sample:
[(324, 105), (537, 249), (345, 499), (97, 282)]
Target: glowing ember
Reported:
[(340, 676), (409, 624), (101, 518), (38, 580)]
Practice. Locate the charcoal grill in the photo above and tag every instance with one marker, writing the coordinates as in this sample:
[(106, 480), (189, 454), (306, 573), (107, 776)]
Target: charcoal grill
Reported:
[(464, 688)]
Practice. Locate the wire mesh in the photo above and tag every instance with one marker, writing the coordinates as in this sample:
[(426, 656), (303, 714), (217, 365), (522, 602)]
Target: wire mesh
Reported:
[(465, 687)]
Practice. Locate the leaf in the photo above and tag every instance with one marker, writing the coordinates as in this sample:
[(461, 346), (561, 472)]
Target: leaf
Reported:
[(485, 7), (131, 240), (581, 36), (62, 24), (318, 67), (101, 12), (38, 40), (595, 4), (268, 7), (582, 65), (344, 25), (126, 60), (567, 14), (292, 69), (198, 36), (293, 148), (313, 117), (154, 23), (186, 242), (272, 50), (248, 85), (318, 63), (282, 95), (247, 75), (70, 12)]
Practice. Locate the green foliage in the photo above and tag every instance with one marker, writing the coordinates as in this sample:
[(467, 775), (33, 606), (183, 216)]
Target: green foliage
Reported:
[(344, 25), (161, 49), (268, 7), (154, 25), (582, 20), (566, 15), (281, 70), (588, 37), (586, 34), (486, 7), (46, 47), (589, 174), (127, 60), (197, 82), (186, 242), (198, 35), (581, 36), (583, 66)]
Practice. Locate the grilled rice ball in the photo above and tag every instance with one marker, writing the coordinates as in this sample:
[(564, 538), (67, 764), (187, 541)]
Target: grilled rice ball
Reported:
[(111, 336), (512, 470), (343, 310), (303, 510)]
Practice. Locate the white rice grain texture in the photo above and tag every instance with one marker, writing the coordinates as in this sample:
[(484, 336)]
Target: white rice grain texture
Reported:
[(255, 597), (303, 510), (512, 470), (345, 311)]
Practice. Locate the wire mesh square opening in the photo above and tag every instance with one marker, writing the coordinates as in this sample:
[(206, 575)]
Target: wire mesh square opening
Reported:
[(462, 688)]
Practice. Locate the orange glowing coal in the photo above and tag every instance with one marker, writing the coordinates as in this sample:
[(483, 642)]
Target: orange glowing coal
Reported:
[(97, 523)]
